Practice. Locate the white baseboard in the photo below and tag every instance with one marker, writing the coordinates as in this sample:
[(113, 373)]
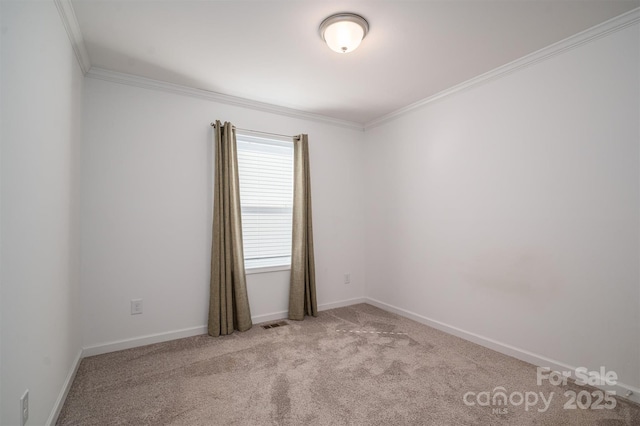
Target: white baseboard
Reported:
[(323, 307), (621, 389), (66, 386), (149, 339), (275, 316), (342, 303)]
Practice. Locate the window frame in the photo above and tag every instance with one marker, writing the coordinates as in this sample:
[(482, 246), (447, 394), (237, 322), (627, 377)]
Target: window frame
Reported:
[(276, 141)]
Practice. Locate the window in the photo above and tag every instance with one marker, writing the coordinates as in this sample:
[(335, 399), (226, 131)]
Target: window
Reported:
[(265, 167)]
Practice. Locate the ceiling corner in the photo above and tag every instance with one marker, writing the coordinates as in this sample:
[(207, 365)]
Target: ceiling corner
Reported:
[(70, 22)]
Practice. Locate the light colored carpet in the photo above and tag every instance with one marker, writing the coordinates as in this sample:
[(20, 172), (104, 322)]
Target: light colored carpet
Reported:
[(343, 367)]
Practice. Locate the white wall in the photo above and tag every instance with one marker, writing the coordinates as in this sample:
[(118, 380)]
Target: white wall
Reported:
[(41, 101), (511, 210), (147, 210)]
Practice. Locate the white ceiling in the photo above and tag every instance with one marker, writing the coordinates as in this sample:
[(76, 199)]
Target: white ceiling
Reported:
[(270, 51)]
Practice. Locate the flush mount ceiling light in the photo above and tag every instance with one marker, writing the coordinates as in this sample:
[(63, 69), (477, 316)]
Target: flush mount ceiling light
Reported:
[(343, 32)]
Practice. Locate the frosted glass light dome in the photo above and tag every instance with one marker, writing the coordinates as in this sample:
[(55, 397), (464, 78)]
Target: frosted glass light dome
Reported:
[(344, 32)]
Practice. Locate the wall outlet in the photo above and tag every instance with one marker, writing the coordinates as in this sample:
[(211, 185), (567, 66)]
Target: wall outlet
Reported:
[(136, 306), (24, 408), (347, 278)]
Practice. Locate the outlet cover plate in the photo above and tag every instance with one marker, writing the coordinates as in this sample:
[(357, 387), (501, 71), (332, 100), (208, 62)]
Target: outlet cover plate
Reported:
[(136, 306)]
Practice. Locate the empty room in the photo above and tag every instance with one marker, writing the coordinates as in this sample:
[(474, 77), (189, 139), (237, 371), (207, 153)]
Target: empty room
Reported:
[(288, 212)]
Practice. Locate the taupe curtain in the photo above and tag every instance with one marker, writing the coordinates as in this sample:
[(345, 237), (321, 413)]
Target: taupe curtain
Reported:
[(228, 301), (302, 294)]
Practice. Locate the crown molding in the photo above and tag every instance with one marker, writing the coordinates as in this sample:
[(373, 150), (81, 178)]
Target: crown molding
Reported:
[(612, 25), (70, 22), (147, 83)]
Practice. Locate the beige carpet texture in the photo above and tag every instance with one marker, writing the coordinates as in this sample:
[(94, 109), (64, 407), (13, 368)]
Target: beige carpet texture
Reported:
[(357, 365)]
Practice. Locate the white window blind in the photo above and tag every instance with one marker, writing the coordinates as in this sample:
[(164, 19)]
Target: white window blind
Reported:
[(265, 167)]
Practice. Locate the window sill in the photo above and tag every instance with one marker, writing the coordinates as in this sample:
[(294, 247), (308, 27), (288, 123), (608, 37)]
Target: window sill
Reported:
[(265, 269)]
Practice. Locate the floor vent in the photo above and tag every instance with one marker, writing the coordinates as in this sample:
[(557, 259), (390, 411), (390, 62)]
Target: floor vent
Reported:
[(275, 324)]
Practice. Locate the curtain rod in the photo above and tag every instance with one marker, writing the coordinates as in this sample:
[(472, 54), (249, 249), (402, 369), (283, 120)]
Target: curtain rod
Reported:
[(259, 132)]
